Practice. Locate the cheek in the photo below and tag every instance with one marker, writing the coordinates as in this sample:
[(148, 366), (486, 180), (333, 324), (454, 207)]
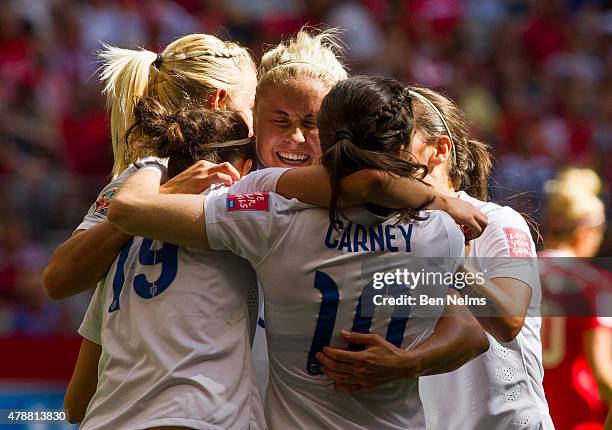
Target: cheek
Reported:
[(265, 140), (419, 150), (315, 144)]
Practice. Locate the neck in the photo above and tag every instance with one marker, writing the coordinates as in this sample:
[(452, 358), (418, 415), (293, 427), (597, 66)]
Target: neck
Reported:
[(442, 184)]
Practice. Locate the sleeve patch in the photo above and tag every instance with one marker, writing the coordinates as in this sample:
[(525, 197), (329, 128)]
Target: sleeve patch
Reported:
[(519, 242), (247, 202), (103, 202)]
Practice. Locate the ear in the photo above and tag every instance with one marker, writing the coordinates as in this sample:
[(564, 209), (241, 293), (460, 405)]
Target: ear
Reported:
[(443, 150), (246, 167), (218, 100)]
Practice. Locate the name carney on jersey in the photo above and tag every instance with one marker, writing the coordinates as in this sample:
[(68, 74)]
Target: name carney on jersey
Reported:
[(357, 238)]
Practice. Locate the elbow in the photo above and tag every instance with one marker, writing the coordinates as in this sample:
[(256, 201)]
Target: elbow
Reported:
[(52, 283), (478, 338), (74, 414), (508, 329)]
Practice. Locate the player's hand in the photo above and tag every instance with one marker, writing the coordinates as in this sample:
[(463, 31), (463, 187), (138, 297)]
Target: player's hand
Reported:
[(200, 176), (379, 363), (471, 220)]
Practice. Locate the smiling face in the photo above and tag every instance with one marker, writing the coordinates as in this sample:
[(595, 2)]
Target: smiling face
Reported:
[(286, 123)]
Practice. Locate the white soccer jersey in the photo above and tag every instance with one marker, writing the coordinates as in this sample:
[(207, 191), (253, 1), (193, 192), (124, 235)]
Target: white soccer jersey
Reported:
[(97, 211), (173, 326), (502, 388), (316, 282)]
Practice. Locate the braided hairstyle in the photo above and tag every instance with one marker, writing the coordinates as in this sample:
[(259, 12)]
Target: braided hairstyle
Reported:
[(187, 135), (189, 69), (366, 122)]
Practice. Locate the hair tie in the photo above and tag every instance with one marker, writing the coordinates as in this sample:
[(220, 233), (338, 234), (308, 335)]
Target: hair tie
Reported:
[(230, 143), (171, 118), (344, 135), (158, 61)]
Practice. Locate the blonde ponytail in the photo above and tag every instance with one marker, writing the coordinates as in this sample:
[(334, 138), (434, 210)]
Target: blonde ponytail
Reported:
[(189, 69), (125, 73)]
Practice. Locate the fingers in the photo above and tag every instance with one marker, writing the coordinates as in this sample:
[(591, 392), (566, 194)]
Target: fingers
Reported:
[(334, 365), (225, 168), (350, 357), (361, 338), (474, 226), (220, 178)]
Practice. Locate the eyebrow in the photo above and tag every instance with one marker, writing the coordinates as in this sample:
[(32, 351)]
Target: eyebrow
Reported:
[(280, 112)]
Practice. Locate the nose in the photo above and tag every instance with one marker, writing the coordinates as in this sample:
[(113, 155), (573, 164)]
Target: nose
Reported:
[(296, 135)]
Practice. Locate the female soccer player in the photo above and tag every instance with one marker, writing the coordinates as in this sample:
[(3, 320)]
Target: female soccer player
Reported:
[(577, 335), (503, 387), (199, 68), (322, 288), (171, 321)]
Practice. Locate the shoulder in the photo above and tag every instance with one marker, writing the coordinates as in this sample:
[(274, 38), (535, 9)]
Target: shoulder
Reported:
[(499, 217), (507, 232), (260, 180), (439, 226)]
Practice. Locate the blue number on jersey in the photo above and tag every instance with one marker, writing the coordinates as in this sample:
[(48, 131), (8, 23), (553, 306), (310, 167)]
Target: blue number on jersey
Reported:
[(327, 319), (119, 278), (167, 256)]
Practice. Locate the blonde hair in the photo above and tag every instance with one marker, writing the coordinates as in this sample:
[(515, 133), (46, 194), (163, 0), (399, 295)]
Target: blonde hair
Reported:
[(188, 70), (573, 202), (305, 55)]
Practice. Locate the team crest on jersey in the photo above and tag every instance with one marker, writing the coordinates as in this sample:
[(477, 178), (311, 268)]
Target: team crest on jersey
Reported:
[(103, 202), (518, 241), (247, 202)]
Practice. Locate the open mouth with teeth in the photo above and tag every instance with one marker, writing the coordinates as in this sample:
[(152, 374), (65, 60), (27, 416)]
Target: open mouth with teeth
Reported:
[(293, 158)]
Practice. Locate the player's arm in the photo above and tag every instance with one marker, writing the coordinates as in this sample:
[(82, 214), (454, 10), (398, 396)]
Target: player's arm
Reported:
[(311, 185), (82, 385), (598, 347), (457, 338), (507, 304), (140, 210), (79, 263)]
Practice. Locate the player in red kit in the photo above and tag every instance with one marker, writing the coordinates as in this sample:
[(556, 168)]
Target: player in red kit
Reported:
[(577, 335)]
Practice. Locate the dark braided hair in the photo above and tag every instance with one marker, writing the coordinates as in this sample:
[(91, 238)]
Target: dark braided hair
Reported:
[(187, 135), (365, 122)]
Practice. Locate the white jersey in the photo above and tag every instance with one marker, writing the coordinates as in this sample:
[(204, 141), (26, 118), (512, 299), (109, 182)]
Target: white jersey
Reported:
[(173, 326), (316, 282), (502, 388), (97, 211)]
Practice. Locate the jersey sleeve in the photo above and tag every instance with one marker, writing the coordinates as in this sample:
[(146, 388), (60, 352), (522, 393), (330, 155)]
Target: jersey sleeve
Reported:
[(97, 212), (91, 326), (249, 225), (506, 248), (260, 180)]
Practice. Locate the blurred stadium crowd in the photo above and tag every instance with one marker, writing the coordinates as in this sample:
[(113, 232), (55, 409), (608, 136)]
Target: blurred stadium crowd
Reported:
[(533, 76)]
